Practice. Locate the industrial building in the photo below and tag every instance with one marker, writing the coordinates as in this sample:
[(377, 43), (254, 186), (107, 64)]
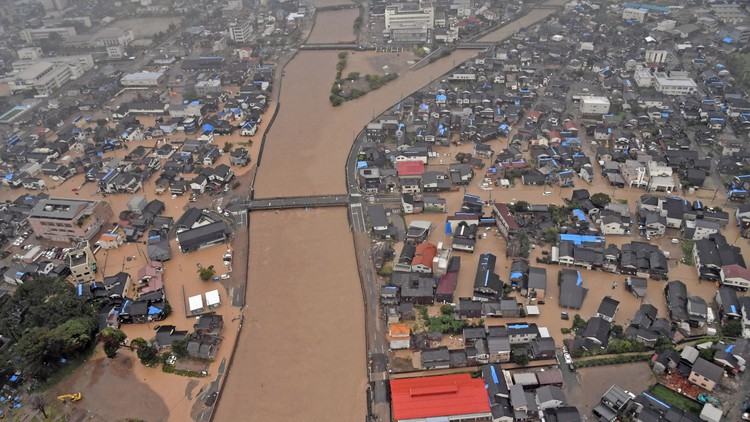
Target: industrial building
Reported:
[(69, 220), (446, 398), (143, 79)]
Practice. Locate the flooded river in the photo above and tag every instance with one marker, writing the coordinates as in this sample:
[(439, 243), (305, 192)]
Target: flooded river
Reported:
[(302, 353)]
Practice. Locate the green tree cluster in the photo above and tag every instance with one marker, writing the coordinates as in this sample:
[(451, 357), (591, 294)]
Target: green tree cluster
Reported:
[(48, 323), (446, 324)]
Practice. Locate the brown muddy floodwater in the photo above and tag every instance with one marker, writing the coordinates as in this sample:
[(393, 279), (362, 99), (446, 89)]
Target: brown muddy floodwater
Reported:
[(307, 146), (334, 27), (302, 354)]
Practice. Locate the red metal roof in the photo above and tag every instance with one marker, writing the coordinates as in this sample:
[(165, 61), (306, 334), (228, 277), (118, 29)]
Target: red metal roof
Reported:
[(410, 168), (447, 284), (445, 395)]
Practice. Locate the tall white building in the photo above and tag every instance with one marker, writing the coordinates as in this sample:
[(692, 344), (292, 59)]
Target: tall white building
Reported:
[(240, 32), (594, 105), (410, 21)]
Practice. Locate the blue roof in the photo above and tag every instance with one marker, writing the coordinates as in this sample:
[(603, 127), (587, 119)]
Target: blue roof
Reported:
[(516, 274), (361, 164), (579, 238), (208, 127), (729, 348), (494, 374), (727, 40), (578, 213), (517, 326)]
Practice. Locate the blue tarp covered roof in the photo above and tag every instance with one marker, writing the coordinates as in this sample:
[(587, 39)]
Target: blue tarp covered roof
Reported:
[(579, 238)]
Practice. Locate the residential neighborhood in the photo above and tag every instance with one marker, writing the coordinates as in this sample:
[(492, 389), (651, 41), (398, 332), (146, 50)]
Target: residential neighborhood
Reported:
[(548, 208)]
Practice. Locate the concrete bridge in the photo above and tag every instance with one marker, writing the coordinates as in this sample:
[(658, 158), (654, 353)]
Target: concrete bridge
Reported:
[(334, 47), (475, 45), (298, 202)]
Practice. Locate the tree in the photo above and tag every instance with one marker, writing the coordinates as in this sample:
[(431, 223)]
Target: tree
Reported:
[(550, 235), (732, 328), (147, 354), (48, 323), (101, 122), (205, 273), (707, 354), (228, 146), (578, 322), (520, 358), (39, 402), (111, 338), (617, 330), (600, 200), (446, 309), (352, 76), (179, 347)]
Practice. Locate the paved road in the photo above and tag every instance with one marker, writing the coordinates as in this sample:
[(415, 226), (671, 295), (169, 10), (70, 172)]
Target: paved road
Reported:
[(298, 202)]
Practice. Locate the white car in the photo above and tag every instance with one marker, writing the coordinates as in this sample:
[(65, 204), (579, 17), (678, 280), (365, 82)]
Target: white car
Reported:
[(675, 240), (546, 193), (567, 358)]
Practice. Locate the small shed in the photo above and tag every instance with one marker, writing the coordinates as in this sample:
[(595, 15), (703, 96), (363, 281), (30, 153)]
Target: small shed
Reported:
[(195, 304), (212, 299), (137, 203), (110, 241), (710, 413), (532, 310)]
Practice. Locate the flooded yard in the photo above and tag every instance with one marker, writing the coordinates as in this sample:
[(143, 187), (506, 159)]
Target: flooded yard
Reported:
[(595, 381)]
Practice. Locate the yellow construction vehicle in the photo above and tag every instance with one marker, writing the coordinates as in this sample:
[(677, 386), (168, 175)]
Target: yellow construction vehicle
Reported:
[(72, 397)]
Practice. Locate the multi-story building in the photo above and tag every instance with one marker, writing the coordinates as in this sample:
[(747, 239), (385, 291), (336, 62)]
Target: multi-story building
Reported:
[(115, 52), (31, 35), (638, 15), (410, 22), (594, 105), (143, 79), (69, 220), (240, 32), (29, 53), (113, 36), (674, 83), (207, 87), (82, 263), (46, 75)]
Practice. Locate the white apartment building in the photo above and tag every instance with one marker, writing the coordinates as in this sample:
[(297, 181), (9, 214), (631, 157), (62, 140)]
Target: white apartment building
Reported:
[(638, 15), (642, 77), (42, 76), (31, 35), (115, 52), (49, 73), (594, 105), (409, 16), (240, 32), (674, 83), (29, 53)]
